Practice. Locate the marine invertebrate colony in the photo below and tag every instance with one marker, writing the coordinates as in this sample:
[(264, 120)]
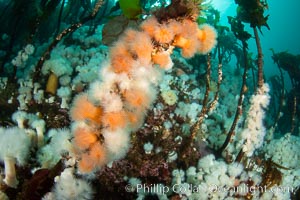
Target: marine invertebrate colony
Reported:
[(147, 111), (255, 131), (14, 144), (114, 105)]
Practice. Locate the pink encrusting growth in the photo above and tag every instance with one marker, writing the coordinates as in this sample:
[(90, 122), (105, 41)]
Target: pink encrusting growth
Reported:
[(116, 104)]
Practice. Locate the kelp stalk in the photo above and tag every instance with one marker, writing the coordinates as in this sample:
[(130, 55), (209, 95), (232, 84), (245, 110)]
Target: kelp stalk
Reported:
[(59, 16), (281, 97), (294, 113), (239, 109), (196, 127), (260, 72), (220, 77)]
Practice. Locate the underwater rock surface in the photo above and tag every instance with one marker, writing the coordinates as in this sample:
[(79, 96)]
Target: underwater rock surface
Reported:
[(144, 99)]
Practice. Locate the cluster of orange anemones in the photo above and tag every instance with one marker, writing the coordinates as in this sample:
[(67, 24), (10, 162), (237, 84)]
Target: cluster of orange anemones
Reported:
[(137, 45), (121, 58), (207, 36), (163, 59), (88, 147), (194, 39), (140, 45), (84, 137), (114, 120), (137, 98), (84, 109), (184, 34), (136, 48), (91, 152), (92, 159)]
